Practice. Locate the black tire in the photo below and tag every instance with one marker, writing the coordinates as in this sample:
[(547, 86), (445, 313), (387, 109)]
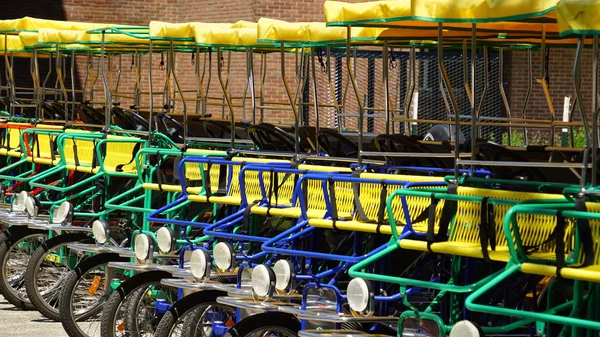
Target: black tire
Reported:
[(13, 289), (182, 309), (127, 290), (69, 321), (266, 321), (47, 303)]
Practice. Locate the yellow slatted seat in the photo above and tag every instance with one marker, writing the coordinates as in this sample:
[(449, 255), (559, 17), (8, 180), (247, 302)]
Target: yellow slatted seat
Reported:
[(316, 207), (233, 197), (589, 273), (192, 173), (13, 148), (41, 152), (85, 154), (464, 235), (119, 155), (370, 195)]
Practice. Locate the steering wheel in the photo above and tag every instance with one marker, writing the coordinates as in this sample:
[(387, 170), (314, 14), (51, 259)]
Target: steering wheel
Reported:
[(140, 123), (215, 129), (89, 115), (336, 145), (493, 152), (271, 138), (176, 132), (53, 111), (403, 143)]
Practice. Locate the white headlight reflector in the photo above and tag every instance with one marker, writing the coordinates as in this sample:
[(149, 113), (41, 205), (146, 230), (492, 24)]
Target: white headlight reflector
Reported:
[(263, 280), (224, 255), (359, 294), (165, 238), (284, 272), (101, 231), (143, 247), (200, 263)]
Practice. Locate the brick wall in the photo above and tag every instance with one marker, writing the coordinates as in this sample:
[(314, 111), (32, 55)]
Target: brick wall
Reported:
[(140, 12)]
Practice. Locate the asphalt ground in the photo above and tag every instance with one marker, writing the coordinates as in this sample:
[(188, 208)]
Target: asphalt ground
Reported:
[(17, 323)]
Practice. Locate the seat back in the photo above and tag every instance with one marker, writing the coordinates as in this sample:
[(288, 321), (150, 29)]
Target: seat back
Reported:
[(466, 224)]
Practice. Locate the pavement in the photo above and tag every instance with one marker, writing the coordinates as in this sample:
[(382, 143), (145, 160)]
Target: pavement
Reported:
[(17, 323)]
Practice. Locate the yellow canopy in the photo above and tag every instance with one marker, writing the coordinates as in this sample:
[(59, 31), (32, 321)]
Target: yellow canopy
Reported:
[(34, 24), (11, 43), (241, 34), (471, 11), (464, 11), (578, 17), (29, 39), (9, 25), (183, 30), (501, 21), (310, 33)]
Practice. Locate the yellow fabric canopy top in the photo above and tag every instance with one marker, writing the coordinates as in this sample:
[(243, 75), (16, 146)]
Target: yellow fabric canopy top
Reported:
[(464, 11), (311, 33), (578, 17)]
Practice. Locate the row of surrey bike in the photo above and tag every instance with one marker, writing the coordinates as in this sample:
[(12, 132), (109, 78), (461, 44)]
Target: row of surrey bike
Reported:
[(131, 222)]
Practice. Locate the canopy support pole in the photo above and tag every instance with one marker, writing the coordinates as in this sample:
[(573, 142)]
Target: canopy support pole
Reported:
[(315, 97), (73, 91), (577, 83), (595, 111), (291, 99), (411, 84), (180, 91), (150, 91), (528, 94), (226, 96), (474, 112), (486, 81), (446, 79), (386, 86), (107, 95), (357, 95), (503, 92)]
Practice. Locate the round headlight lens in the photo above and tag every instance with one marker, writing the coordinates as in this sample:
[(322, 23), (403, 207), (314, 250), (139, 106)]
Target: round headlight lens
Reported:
[(101, 231), (284, 271), (359, 294), (143, 247), (263, 280), (200, 264), (466, 329), (165, 237), (63, 213), (20, 202), (32, 206), (224, 255)]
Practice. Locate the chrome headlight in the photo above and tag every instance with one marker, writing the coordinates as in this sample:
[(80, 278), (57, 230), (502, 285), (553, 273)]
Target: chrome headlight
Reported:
[(359, 295), (284, 275), (263, 281), (143, 247), (165, 239), (63, 214), (200, 264), (101, 231), (32, 206), (224, 255)]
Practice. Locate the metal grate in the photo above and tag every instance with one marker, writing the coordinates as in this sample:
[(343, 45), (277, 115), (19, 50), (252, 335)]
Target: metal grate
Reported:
[(368, 69)]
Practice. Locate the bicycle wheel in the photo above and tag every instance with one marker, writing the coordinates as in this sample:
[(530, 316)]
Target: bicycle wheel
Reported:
[(84, 293), (193, 316), (143, 291), (15, 253), (48, 268)]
